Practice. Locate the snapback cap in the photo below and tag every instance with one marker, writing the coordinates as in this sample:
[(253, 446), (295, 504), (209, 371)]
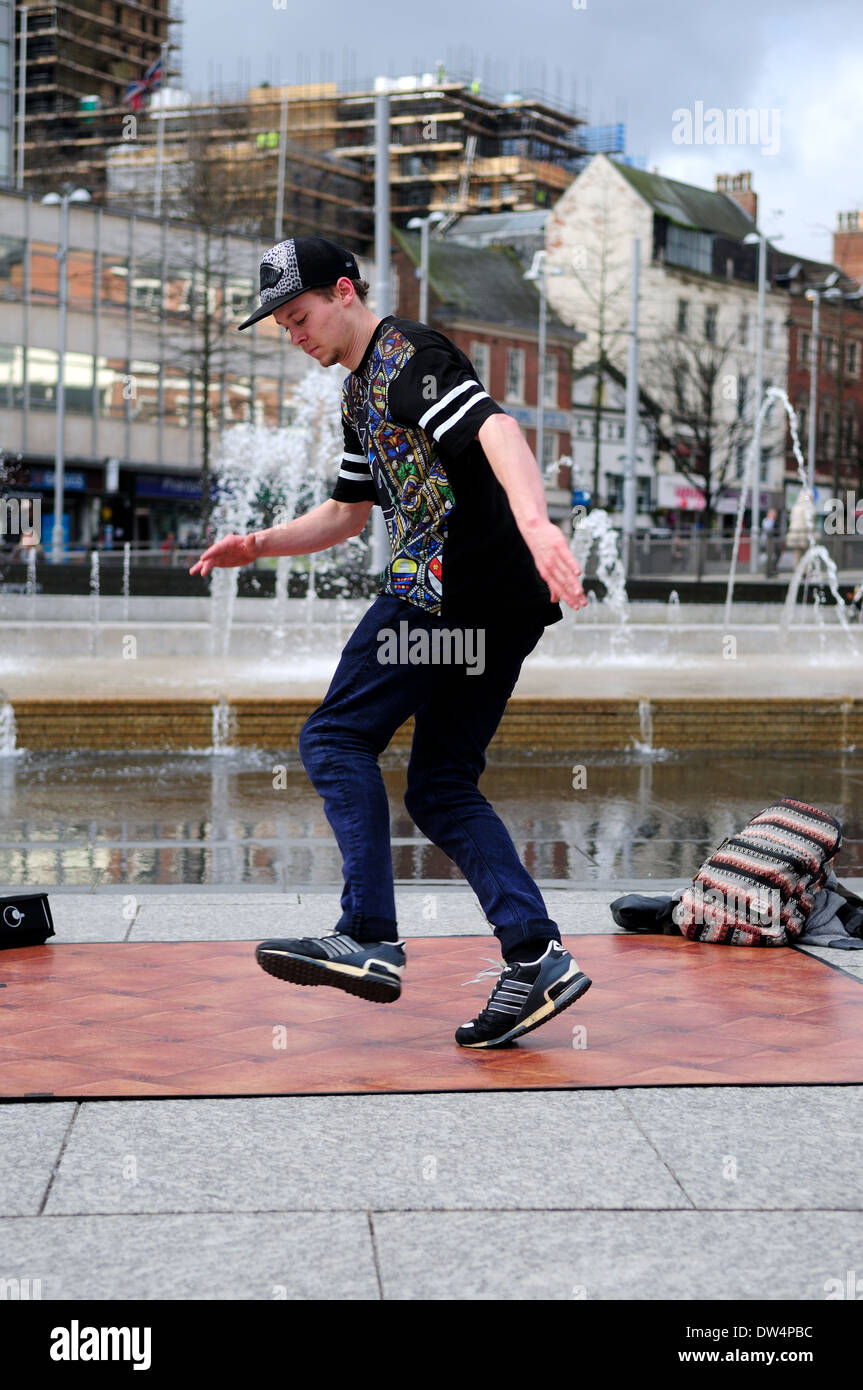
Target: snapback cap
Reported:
[(301, 263)]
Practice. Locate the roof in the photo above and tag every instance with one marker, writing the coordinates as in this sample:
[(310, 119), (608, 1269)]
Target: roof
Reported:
[(481, 228), (687, 205), (485, 283)]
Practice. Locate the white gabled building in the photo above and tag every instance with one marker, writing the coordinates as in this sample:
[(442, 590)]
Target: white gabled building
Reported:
[(697, 304)]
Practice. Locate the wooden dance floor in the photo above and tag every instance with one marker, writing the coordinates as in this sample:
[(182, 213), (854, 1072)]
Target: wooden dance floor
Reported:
[(202, 1019)]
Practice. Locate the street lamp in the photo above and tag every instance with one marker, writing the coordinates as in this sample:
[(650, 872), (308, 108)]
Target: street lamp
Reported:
[(67, 195), (814, 295), (538, 273), (424, 223), (843, 298), (755, 473)]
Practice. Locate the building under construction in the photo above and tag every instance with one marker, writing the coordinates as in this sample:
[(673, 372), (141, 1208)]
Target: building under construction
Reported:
[(307, 149)]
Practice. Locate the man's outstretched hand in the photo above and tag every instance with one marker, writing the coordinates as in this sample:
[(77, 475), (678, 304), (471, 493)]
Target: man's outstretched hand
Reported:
[(229, 551), (556, 564)]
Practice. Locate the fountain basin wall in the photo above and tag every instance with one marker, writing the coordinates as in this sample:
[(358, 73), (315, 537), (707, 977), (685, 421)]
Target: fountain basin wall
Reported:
[(530, 725)]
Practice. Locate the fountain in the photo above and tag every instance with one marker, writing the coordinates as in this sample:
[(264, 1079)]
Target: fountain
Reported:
[(224, 727), (30, 584), (8, 733), (127, 555), (816, 562), (93, 639), (266, 476), (596, 529)]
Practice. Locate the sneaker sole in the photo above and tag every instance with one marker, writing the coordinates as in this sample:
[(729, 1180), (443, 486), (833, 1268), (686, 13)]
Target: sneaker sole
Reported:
[(353, 979), (579, 986)]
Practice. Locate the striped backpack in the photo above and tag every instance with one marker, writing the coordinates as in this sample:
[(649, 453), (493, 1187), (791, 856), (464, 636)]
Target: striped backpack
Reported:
[(758, 888)]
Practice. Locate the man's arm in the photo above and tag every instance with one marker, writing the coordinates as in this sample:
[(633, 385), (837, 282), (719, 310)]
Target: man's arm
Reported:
[(322, 527), (517, 471)]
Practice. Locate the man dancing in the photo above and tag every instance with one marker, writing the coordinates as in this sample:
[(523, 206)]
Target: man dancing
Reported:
[(476, 566)]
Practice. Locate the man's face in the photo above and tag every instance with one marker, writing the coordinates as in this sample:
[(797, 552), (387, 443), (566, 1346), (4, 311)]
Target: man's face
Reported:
[(316, 325)]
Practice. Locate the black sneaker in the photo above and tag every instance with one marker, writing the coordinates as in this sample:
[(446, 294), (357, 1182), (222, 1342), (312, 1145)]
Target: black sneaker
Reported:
[(526, 996), (371, 969)]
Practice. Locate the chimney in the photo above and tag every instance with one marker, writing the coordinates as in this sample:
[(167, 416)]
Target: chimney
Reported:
[(739, 187), (848, 244)]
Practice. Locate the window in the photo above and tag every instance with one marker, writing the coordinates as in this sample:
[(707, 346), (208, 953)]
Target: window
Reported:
[(549, 449), (745, 323), (742, 393), (115, 281), (803, 347), (42, 378), (514, 374), (115, 387), (849, 433), (551, 386), (852, 359), (44, 271), (710, 313), (12, 251), (769, 334), (689, 248), (142, 389), (831, 355), (480, 355), (826, 431), (682, 315), (801, 411)]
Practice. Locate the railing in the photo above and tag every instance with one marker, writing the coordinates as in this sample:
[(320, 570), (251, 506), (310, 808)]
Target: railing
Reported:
[(693, 553)]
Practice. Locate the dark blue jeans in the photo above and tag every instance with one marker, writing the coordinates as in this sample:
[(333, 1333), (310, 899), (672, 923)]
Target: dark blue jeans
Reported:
[(457, 706)]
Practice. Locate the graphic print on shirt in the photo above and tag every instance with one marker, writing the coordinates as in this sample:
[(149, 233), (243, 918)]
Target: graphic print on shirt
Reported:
[(416, 495)]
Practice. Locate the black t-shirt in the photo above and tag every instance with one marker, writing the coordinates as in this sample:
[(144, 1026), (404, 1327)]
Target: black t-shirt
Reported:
[(411, 411)]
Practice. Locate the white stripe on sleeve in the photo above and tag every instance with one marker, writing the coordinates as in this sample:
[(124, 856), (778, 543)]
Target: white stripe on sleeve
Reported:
[(450, 395), (442, 429)]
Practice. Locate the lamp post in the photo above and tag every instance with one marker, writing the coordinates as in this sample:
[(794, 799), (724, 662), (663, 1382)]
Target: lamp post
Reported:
[(424, 223), (160, 137), (538, 273), (380, 546), (814, 295), (631, 467), (755, 471), (842, 298), (67, 195)]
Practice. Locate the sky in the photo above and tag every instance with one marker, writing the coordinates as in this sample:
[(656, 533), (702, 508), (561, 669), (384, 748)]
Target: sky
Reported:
[(652, 66)]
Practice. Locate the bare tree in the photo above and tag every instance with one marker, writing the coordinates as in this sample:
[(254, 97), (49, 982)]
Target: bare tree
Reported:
[(697, 386)]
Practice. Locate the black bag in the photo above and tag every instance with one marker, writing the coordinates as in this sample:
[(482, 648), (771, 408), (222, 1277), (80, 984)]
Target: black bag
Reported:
[(25, 920)]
